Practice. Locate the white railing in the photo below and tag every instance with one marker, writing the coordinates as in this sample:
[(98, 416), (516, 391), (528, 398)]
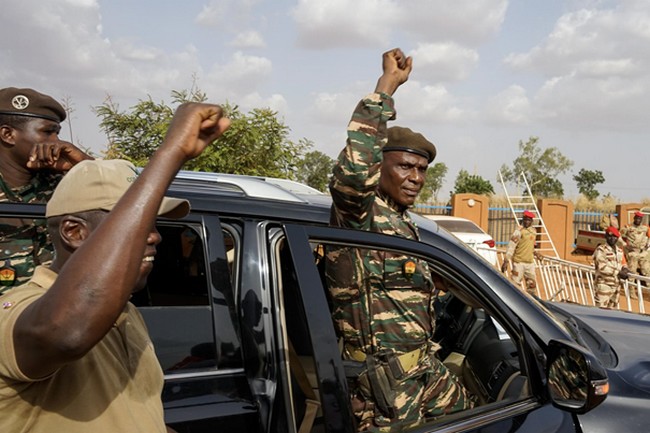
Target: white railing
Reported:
[(565, 281)]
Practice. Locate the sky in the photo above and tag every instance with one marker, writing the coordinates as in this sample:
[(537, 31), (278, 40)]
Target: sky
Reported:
[(487, 74)]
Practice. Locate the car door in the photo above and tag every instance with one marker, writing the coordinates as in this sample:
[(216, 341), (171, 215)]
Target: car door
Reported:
[(525, 410), (190, 307)]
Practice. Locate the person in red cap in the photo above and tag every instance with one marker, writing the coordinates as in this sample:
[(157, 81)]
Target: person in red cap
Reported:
[(521, 251), (611, 267), (32, 161), (637, 241)]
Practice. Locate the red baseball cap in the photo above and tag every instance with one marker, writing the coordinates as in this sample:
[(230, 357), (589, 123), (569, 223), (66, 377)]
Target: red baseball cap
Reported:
[(529, 214), (613, 230), (638, 213)]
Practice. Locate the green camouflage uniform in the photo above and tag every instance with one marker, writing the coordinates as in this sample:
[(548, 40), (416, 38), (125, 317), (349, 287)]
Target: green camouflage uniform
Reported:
[(636, 238), (376, 304), (608, 264), (24, 243)]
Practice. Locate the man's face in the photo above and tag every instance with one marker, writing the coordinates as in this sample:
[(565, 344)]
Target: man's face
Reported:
[(402, 176), (611, 239), (146, 266), (526, 221), (32, 132), (637, 220)]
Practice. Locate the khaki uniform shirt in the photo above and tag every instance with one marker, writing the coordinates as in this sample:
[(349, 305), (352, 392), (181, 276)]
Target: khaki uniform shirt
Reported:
[(522, 245), (115, 387), (636, 236)]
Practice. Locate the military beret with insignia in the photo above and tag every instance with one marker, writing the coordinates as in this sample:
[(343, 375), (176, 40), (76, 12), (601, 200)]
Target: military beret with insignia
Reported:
[(405, 140), (29, 102)]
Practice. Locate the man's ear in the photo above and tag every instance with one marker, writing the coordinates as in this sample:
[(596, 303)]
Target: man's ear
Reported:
[(73, 231), (8, 134)]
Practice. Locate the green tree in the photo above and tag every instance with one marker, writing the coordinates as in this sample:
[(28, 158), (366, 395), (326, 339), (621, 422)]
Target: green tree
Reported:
[(433, 182), (314, 169), (472, 183), (541, 167), (256, 143), (586, 180)]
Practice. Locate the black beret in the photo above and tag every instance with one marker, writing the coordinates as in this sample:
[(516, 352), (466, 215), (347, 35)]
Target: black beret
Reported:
[(405, 140), (29, 102)]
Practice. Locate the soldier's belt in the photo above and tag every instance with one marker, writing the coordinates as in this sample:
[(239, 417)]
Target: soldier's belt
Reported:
[(406, 360)]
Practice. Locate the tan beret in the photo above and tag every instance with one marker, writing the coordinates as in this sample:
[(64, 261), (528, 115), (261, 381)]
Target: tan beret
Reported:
[(98, 185), (405, 140), (29, 102)]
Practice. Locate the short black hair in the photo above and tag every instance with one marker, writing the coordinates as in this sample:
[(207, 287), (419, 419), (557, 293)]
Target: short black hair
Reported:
[(14, 120)]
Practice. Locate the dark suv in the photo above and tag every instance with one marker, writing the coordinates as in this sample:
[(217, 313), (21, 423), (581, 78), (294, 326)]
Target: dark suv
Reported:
[(238, 312)]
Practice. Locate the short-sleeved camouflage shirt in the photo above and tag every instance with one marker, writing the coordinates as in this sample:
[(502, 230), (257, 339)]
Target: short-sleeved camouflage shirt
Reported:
[(380, 300), (24, 243)]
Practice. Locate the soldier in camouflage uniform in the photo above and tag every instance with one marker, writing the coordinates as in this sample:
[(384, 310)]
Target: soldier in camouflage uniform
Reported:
[(383, 303), (610, 265), (637, 241), (521, 251), (32, 160)]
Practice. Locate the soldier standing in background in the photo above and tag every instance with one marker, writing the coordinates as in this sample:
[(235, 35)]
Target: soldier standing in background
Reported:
[(610, 266), (382, 303), (32, 161), (637, 241), (521, 251)]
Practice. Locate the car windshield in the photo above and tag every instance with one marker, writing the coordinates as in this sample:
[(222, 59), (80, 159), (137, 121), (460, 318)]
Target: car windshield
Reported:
[(459, 226)]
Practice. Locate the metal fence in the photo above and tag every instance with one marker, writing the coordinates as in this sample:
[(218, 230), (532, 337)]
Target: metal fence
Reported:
[(565, 281)]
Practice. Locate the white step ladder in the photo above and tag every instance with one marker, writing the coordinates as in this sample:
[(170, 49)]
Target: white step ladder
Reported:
[(526, 201)]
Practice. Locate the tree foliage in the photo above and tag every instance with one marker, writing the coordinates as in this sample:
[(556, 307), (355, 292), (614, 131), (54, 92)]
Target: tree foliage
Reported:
[(586, 180), (256, 143), (541, 167), (433, 182), (315, 169), (472, 183)]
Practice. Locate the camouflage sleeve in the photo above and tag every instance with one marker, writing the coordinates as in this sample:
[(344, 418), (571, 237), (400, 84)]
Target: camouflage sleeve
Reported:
[(512, 245), (356, 173), (603, 265)]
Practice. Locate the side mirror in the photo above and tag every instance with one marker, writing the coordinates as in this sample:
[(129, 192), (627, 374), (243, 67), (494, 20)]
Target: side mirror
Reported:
[(576, 380)]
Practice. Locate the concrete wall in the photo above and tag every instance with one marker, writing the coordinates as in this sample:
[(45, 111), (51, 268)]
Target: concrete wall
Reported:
[(557, 214), (626, 211), (473, 207), (558, 218)]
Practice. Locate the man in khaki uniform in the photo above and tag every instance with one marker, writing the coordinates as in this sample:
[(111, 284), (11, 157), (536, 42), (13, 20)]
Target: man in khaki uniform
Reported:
[(521, 251), (637, 241), (610, 266), (75, 355)]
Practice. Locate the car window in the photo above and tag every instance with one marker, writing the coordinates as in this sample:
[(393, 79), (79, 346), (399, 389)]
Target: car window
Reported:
[(459, 226), (177, 306)]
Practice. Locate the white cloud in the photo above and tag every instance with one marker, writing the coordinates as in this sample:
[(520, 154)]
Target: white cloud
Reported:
[(335, 23), (371, 23), (595, 64), (227, 14), (511, 106), (248, 39), (444, 61)]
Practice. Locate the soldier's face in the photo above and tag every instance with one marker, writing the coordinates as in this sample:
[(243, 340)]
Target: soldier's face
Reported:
[(33, 132), (402, 176), (611, 239), (637, 220), (527, 221)]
